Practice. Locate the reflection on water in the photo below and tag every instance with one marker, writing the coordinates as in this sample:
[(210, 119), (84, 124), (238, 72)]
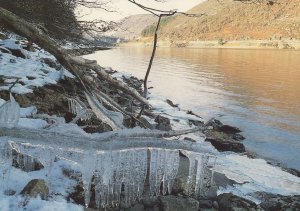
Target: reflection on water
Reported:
[(256, 90)]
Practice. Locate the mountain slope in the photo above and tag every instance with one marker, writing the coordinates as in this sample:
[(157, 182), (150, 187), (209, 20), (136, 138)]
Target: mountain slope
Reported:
[(235, 20), (132, 26)]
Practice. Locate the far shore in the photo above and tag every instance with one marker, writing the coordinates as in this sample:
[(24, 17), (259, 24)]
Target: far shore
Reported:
[(234, 44)]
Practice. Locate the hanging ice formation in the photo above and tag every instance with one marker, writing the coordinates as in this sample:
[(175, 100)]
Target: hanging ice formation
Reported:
[(9, 113), (121, 168)]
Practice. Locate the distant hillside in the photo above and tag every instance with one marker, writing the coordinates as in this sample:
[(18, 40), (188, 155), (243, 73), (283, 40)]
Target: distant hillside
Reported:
[(132, 26), (236, 20)]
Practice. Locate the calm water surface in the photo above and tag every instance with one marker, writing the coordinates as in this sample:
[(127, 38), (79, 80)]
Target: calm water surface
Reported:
[(256, 90)]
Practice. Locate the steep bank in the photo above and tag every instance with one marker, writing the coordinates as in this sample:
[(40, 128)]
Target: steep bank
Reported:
[(233, 24), (237, 20)]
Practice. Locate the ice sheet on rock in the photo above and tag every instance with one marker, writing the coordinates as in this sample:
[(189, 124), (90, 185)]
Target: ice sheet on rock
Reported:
[(68, 129), (32, 123), (256, 175), (28, 111), (9, 113)]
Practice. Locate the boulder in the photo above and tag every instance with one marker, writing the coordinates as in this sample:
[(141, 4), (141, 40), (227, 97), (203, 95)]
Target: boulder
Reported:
[(230, 202), (35, 188), (227, 145), (278, 202), (175, 203), (224, 137), (163, 123)]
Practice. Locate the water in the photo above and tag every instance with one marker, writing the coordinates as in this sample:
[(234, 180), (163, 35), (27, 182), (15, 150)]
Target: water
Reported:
[(256, 90)]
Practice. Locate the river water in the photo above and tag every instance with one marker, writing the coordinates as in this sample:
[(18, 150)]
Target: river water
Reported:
[(255, 90)]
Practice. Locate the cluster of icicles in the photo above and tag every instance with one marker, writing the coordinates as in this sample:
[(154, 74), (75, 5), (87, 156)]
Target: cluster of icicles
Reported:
[(117, 175), (120, 169)]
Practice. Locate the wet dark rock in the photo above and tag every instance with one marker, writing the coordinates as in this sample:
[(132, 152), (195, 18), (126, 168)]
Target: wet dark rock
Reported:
[(227, 145), (175, 203), (3, 36), (215, 205), (25, 162), (222, 181), (230, 202), (189, 139), (224, 137), (51, 63), (146, 123), (278, 202), (163, 123), (17, 53), (192, 113), (12, 61), (77, 194), (9, 192), (137, 207), (229, 129), (196, 123), (35, 188), (205, 204), (150, 202), (171, 103)]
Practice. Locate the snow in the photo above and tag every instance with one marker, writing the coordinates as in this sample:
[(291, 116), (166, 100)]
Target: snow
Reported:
[(31, 71)]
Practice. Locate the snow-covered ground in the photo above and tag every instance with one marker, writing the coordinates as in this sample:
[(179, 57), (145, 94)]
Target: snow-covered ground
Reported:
[(252, 174)]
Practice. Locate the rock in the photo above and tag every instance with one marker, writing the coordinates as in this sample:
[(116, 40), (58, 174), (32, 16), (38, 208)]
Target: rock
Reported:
[(196, 123), (35, 188), (215, 205), (229, 129), (3, 36), (150, 201), (230, 202), (205, 204), (17, 53), (223, 137), (192, 113), (171, 103), (222, 181), (25, 162), (9, 192), (51, 63), (163, 123), (174, 203), (278, 202), (180, 184), (137, 207), (146, 123), (227, 145)]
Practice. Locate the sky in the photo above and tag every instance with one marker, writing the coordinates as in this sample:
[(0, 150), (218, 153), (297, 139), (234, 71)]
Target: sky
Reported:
[(125, 8)]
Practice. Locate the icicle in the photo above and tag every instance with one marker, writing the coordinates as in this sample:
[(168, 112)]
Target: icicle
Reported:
[(5, 163), (88, 167), (9, 113), (164, 165)]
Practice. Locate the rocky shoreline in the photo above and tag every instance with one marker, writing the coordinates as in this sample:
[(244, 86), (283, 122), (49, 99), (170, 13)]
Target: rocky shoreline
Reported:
[(219, 44), (51, 100)]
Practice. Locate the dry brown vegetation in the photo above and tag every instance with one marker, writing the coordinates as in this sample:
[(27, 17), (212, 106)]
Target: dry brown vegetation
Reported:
[(235, 20)]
